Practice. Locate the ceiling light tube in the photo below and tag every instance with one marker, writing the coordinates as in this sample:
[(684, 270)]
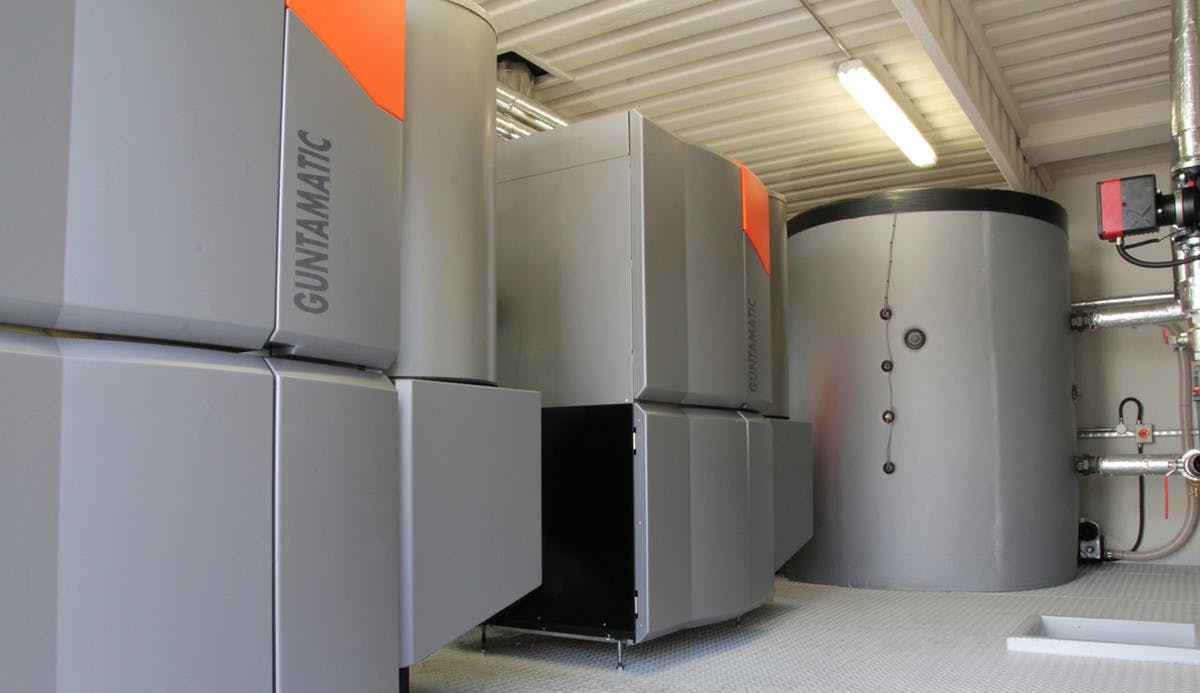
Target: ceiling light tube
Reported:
[(879, 104)]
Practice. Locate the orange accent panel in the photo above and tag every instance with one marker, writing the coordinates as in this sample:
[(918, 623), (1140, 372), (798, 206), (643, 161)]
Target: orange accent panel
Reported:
[(756, 216), (367, 37)]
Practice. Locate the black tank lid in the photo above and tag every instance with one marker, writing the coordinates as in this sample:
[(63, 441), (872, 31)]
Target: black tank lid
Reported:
[(933, 200)]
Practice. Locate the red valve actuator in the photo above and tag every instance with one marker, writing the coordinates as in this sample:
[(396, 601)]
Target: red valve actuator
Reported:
[(1127, 206)]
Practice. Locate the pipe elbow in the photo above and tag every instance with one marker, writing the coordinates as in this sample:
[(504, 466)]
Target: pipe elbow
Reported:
[(1190, 465)]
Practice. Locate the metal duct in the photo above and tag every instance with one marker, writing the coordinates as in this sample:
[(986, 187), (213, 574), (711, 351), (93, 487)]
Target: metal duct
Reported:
[(516, 75)]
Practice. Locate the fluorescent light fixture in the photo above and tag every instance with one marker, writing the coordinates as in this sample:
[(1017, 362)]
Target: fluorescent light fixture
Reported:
[(878, 103)]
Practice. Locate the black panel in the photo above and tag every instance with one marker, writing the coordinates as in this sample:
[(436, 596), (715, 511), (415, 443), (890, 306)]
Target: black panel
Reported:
[(933, 200), (587, 526)]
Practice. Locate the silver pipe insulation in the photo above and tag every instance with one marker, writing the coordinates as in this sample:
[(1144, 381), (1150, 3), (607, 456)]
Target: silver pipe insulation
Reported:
[(1187, 464), (1185, 134), (510, 129), (531, 106), (1108, 432), (515, 114), (526, 109), (1187, 288), (1120, 301), (1134, 465), (1185, 82), (1186, 403), (1128, 316)]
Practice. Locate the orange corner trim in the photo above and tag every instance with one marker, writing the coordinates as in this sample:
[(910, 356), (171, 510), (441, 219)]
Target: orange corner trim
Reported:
[(367, 37), (756, 215)]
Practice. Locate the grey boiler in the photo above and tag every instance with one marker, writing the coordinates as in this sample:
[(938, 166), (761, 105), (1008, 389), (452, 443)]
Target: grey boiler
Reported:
[(929, 345)]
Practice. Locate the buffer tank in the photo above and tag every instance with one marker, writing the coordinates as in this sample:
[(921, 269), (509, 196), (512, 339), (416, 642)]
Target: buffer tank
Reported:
[(929, 344)]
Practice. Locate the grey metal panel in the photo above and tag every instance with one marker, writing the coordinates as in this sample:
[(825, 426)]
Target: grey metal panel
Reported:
[(337, 539), (662, 520), (760, 475), (758, 328), (983, 496), (716, 292), (779, 307), (598, 139), (447, 261), (31, 371), (793, 487), (470, 509), (720, 515), (339, 212), (174, 166), (660, 334), (565, 277), (165, 524), (35, 105), (700, 307)]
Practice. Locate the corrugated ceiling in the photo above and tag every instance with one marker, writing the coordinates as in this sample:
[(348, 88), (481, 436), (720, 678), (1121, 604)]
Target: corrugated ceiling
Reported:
[(755, 80), (1059, 57)]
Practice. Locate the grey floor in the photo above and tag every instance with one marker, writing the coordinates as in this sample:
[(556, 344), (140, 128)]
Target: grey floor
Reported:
[(818, 638)]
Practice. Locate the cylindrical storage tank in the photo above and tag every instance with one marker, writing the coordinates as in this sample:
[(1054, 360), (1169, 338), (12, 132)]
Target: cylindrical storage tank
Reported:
[(447, 267), (929, 345)]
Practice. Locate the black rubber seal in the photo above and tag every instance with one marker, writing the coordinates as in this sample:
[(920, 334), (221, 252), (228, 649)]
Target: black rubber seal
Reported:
[(933, 200)]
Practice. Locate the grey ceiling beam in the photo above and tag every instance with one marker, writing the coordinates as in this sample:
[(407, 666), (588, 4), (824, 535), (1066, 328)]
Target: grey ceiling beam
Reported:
[(1099, 132), (950, 47)]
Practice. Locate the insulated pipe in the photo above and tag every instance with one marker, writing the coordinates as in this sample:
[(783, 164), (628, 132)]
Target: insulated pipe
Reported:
[(1187, 427), (1187, 288), (1092, 304), (1185, 134), (1185, 83), (1108, 432), (512, 114), (530, 106), (1128, 316), (1136, 465), (511, 129)]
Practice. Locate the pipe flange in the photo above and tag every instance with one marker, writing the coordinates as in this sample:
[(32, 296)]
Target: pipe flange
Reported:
[(1190, 465)]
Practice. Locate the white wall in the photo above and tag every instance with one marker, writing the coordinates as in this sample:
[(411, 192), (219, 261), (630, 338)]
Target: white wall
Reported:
[(1111, 364)]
